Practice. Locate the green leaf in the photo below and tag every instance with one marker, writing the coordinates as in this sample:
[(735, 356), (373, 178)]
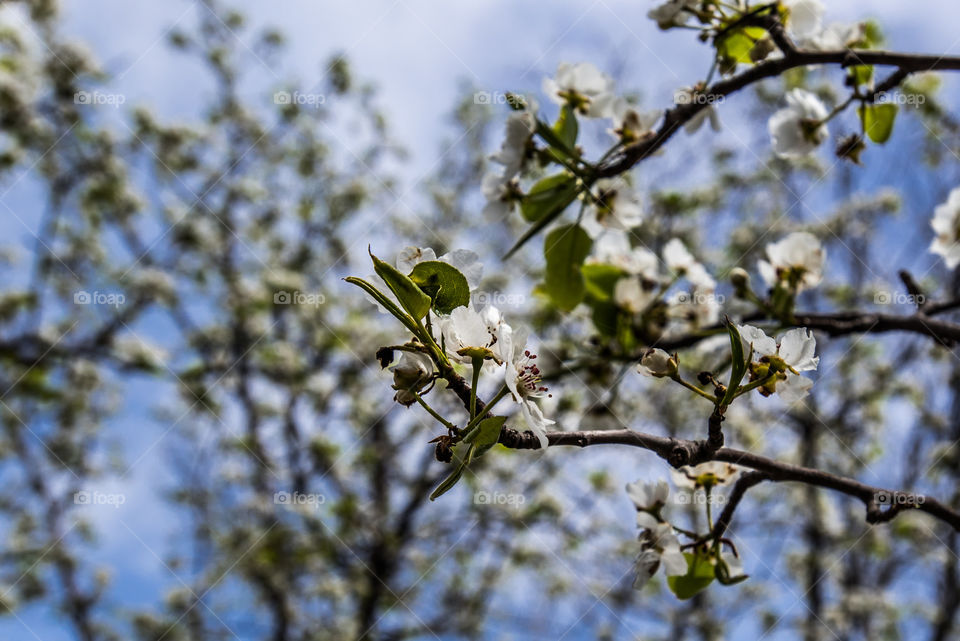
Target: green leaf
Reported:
[(861, 74), (605, 316), (737, 44), (385, 302), (462, 453), (549, 197), (878, 121), (410, 296), (487, 433), (601, 279), (443, 283), (566, 127), (739, 367), (700, 574), (565, 249)]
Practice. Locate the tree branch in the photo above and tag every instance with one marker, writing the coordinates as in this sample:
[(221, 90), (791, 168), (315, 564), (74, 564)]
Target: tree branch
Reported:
[(679, 115), (679, 452)]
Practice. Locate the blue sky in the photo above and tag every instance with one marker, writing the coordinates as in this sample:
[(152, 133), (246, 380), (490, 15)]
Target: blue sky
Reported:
[(416, 53)]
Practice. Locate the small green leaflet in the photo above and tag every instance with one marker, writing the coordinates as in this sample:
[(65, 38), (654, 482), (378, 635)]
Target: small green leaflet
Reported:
[(878, 121), (488, 433), (739, 367), (462, 453), (410, 296), (700, 574)]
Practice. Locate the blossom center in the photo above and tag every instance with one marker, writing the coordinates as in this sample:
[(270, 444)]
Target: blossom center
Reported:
[(529, 376)]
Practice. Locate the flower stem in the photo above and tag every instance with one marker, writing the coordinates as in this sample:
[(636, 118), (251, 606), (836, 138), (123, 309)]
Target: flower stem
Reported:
[(477, 364), (503, 391), (760, 382), (697, 390), (450, 426)]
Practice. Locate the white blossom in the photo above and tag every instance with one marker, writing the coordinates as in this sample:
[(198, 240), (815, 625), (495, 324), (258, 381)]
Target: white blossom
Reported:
[(523, 379), (794, 353), (799, 128), (502, 195), (466, 334), (673, 13), (838, 36), (798, 258), (806, 17), (613, 248), (648, 496), (630, 124), (618, 207), (657, 363), (679, 259), (709, 474), (633, 295), (584, 86), (513, 152), (946, 224), (658, 546)]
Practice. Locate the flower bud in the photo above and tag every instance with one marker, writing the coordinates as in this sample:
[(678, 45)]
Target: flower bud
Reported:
[(410, 374), (740, 279), (658, 363)]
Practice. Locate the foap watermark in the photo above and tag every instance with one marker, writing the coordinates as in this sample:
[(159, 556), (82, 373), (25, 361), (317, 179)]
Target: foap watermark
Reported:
[(498, 299), (299, 98), (98, 98), (699, 298), (898, 298), (898, 98), (499, 98), (296, 297), (87, 497), (898, 498), (498, 498), (83, 297), (699, 498), (298, 499), (697, 98)]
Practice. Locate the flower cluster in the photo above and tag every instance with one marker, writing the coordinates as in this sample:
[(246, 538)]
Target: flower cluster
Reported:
[(644, 286), (659, 544), (471, 336)]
